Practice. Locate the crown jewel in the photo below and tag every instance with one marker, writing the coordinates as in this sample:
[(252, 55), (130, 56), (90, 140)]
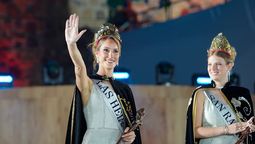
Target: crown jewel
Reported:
[(220, 43), (107, 30)]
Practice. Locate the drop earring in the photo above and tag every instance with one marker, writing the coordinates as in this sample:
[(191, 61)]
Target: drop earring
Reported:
[(228, 75), (97, 60)]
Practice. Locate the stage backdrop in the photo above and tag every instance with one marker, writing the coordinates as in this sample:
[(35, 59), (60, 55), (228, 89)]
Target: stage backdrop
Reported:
[(38, 115), (184, 42)]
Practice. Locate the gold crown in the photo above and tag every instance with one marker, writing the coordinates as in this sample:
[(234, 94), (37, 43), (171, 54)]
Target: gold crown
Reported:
[(107, 30), (220, 43)]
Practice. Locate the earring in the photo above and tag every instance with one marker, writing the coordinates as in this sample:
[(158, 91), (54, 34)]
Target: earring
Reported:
[(97, 60), (228, 75)]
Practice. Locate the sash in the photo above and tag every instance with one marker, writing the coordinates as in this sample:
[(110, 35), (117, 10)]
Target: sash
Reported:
[(225, 111), (112, 102)]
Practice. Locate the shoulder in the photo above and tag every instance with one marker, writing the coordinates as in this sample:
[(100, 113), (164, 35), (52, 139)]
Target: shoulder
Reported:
[(199, 89), (237, 90), (198, 93), (121, 84), (123, 89)]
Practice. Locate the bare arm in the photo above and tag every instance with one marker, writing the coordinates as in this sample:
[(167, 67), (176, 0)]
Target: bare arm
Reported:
[(205, 132), (72, 35)]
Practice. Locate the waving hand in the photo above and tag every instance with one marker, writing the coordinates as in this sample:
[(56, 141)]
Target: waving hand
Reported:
[(71, 31), (72, 35)]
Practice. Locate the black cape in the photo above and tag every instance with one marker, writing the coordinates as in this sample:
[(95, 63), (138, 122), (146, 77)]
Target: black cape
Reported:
[(230, 92), (76, 130)]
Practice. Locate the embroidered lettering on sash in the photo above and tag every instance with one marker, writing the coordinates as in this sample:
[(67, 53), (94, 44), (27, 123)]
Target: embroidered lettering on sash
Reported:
[(112, 101), (224, 110)]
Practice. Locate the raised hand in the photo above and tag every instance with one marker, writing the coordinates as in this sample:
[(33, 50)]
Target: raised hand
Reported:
[(72, 34)]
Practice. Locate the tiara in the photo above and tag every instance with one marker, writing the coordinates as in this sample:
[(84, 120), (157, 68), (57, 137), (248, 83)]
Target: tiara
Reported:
[(107, 30), (220, 43)]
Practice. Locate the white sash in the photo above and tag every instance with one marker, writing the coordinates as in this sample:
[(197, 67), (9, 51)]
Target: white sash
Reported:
[(225, 111), (112, 102)]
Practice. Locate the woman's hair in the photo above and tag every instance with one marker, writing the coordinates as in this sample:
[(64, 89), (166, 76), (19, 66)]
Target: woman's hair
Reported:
[(106, 31), (221, 47), (223, 55)]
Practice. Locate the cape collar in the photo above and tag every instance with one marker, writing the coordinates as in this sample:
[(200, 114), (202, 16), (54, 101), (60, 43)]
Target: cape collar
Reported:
[(214, 85), (100, 77)]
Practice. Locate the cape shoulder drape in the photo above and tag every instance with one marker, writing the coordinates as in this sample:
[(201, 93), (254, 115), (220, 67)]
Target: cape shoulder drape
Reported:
[(76, 127)]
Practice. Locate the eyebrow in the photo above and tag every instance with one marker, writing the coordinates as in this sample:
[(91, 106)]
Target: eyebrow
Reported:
[(112, 48)]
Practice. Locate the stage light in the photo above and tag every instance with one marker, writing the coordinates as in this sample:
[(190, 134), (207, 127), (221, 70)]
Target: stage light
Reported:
[(164, 73), (121, 75), (203, 80), (6, 80), (235, 79), (200, 79), (52, 73)]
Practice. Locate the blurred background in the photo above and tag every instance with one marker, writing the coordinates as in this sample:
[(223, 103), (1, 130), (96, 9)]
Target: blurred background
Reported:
[(164, 51), (178, 32)]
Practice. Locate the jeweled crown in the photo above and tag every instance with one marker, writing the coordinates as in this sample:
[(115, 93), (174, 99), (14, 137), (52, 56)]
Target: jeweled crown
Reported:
[(107, 29), (220, 43)]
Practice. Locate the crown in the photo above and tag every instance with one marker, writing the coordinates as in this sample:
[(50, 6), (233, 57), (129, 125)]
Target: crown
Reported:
[(107, 30), (220, 43)]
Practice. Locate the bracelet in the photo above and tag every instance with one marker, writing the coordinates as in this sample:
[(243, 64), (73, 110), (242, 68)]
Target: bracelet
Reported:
[(226, 130)]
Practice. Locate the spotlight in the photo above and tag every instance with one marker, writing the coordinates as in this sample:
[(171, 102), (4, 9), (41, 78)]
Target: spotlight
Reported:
[(122, 74), (235, 79), (164, 73), (200, 79), (6, 80), (52, 73)]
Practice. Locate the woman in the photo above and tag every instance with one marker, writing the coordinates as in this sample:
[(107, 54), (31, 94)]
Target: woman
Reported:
[(102, 109), (218, 113)]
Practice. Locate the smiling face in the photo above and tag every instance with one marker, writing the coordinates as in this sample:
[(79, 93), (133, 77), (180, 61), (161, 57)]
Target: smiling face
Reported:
[(218, 68), (108, 54)]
